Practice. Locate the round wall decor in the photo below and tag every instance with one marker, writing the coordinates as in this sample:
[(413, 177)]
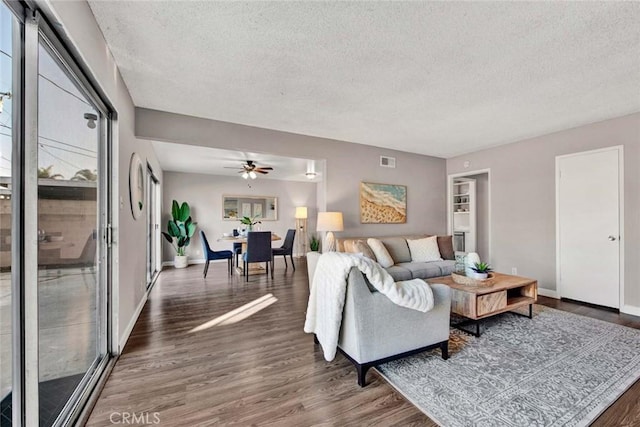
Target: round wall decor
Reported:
[(136, 186)]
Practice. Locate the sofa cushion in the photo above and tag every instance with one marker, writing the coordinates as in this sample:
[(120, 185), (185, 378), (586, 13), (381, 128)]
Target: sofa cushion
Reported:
[(398, 248), (382, 255), (399, 273), (424, 250), (445, 244), (446, 267), (422, 270)]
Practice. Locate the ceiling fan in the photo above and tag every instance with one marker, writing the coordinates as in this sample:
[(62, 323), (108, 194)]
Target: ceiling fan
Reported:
[(250, 169)]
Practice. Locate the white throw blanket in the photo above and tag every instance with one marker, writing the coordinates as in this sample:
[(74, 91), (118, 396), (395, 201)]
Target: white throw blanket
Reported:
[(329, 289)]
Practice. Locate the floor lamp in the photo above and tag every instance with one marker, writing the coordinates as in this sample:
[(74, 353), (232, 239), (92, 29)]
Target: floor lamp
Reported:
[(301, 230), (329, 222)]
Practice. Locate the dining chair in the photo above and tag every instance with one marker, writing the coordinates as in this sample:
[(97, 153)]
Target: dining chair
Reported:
[(258, 250), (237, 246), (210, 255), (287, 248)]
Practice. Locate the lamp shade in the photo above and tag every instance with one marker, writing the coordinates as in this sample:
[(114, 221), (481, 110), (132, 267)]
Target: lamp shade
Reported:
[(330, 221), (301, 212)]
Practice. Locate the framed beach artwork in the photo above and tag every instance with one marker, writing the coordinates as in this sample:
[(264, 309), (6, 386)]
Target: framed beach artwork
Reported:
[(383, 203)]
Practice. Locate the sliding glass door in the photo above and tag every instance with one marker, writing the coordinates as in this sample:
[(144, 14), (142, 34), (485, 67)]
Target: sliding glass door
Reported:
[(71, 297), (9, 28), (54, 217)]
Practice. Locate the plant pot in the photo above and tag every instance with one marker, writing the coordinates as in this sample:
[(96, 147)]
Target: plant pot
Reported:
[(180, 261), (477, 276)]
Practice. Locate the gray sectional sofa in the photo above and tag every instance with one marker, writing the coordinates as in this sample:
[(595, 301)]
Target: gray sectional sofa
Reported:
[(374, 330), (404, 269)]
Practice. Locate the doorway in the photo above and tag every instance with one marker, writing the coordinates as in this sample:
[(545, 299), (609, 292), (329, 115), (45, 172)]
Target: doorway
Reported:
[(469, 212), (153, 226), (589, 224)]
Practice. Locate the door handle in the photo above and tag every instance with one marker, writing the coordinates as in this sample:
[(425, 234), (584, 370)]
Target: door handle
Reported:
[(612, 238)]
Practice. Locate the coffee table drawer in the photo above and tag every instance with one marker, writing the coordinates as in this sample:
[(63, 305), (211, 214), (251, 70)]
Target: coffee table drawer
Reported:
[(488, 303)]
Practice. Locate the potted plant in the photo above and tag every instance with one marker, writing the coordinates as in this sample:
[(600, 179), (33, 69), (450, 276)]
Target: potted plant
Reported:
[(249, 222), (480, 271), (314, 243), (180, 229)]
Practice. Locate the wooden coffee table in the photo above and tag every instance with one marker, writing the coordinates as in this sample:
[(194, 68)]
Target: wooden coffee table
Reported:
[(480, 302)]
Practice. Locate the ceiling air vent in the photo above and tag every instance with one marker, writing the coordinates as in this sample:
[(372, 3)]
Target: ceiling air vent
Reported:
[(387, 162)]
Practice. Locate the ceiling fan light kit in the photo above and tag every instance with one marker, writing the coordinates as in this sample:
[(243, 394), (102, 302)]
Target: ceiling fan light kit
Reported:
[(251, 170)]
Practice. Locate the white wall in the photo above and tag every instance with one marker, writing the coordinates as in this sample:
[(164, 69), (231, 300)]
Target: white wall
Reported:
[(204, 195), (76, 20), (523, 197)]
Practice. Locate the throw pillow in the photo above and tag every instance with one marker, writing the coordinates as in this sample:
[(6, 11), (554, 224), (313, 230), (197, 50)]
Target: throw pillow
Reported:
[(425, 250), (445, 244), (381, 253), (362, 247), (348, 247)]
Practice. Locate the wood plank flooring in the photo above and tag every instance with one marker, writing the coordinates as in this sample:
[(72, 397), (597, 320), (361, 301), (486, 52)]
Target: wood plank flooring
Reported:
[(262, 370)]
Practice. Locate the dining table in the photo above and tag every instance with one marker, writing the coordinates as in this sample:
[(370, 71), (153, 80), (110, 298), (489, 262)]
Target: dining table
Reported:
[(254, 268)]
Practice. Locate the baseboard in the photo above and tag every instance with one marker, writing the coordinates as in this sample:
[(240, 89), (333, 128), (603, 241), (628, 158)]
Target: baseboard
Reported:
[(191, 261), (629, 309), (548, 293), (132, 323)]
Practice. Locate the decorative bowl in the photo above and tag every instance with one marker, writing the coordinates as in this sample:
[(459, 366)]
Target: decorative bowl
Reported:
[(461, 279)]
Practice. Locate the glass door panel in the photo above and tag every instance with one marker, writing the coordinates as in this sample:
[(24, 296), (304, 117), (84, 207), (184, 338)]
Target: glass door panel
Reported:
[(70, 294), (7, 23)]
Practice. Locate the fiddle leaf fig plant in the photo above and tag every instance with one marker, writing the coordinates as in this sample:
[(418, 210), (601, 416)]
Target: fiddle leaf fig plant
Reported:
[(181, 228)]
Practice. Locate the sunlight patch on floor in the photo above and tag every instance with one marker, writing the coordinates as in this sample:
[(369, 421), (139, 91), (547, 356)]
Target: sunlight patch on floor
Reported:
[(238, 314)]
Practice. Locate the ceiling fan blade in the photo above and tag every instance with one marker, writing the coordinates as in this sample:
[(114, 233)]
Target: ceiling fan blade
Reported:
[(266, 168), (261, 171)]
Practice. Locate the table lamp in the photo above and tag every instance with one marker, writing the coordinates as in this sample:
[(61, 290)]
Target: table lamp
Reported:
[(301, 227), (329, 222)]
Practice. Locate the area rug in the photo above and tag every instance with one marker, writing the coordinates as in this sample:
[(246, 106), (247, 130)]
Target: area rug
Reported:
[(557, 369)]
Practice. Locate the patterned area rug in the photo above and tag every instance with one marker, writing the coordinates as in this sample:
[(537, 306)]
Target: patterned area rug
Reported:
[(559, 369)]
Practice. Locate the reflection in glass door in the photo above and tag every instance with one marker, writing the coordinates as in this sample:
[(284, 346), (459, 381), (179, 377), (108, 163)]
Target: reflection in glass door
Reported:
[(71, 294)]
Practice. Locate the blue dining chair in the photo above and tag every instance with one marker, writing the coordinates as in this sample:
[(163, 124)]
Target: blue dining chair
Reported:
[(237, 246), (258, 250), (287, 248), (210, 255)]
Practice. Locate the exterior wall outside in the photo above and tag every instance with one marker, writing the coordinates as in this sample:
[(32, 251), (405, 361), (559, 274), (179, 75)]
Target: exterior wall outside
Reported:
[(523, 197), (347, 164), (204, 195)]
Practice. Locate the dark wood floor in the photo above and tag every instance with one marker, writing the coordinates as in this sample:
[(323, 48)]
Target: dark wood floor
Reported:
[(263, 369)]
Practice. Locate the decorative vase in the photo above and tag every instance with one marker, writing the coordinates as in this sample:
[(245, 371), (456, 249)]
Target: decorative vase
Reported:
[(180, 261), (471, 260)]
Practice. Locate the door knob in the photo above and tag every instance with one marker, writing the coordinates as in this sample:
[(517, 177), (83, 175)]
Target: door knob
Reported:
[(612, 238)]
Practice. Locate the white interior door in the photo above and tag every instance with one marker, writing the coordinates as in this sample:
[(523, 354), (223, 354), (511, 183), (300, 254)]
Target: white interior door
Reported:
[(589, 227)]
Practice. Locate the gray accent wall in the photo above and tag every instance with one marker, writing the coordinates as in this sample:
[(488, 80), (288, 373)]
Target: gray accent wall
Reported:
[(523, 197), (204, 195), (129, 249), (347, 165)]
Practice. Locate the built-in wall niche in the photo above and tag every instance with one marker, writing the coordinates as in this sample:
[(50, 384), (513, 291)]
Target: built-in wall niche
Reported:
[(264, 208)]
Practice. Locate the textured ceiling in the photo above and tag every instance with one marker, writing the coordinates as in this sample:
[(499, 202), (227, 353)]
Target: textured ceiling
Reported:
[(214, 161), (438, 78)]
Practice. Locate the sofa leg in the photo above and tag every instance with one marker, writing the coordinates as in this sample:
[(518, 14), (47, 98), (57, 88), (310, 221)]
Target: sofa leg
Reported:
[(444, 348), (206, 267), (315, 339), (362, 374)]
